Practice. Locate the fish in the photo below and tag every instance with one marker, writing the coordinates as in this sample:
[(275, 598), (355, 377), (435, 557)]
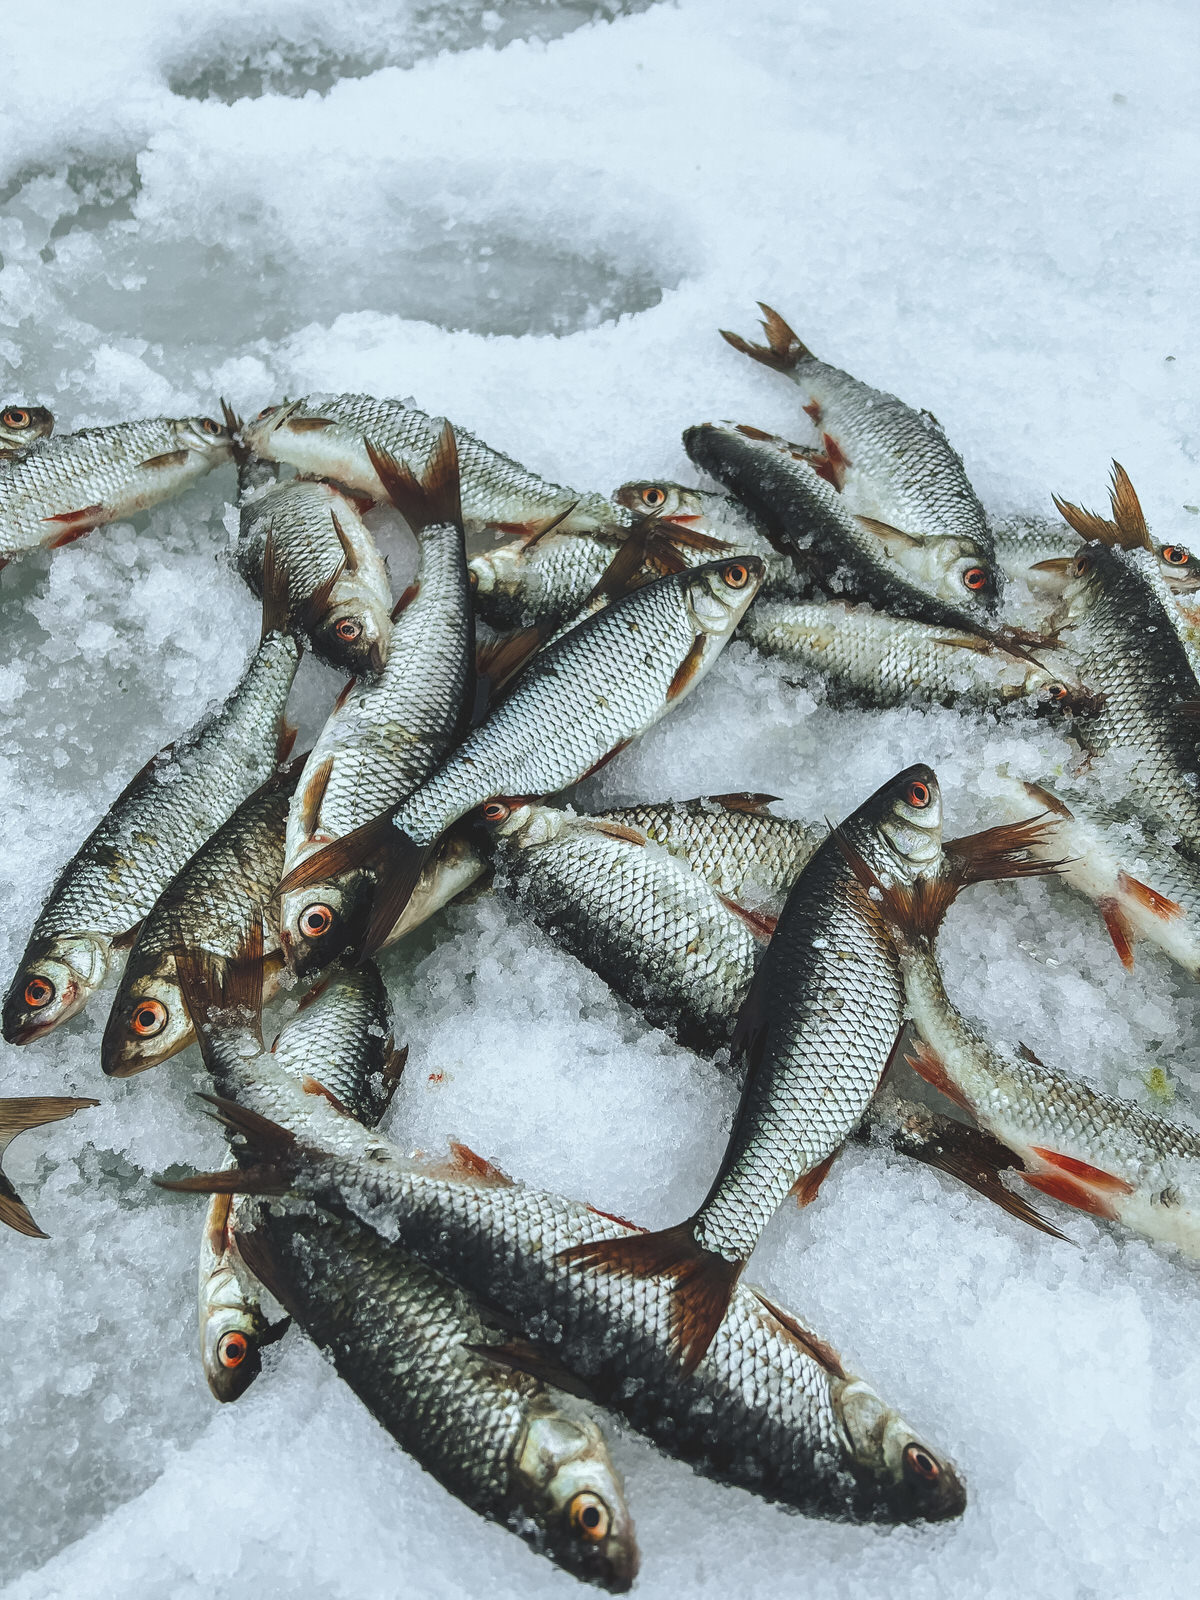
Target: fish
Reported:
[(813, 1040), (63, 487), (17, 1114), (771, 1408), (153, 828), (892, 463), (867, 658), (580, 701), (20, 426), (238, 867), (325, 436), (940, 579), (234, 1329), (385, 738), (1090, 1150), (1116, 614), (431, 1364)]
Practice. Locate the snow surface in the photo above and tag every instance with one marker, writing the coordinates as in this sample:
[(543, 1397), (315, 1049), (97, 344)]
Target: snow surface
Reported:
[(534, 217)]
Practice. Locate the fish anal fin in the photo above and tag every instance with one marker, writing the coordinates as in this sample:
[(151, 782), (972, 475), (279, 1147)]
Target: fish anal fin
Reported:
[(930, 1067), (1083, 1171), (465, 1163), (83, 520), (813, 409), (761, 924), (169, 458), (808, 1185), (687, 669), (1149, 898), (611, 1216), (702, 1281), (1119, 930), (823, 1354)]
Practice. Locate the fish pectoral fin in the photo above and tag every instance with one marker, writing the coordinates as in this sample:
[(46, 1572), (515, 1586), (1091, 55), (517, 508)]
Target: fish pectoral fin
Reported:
[(823, 1354), (895, 539), (1060, 566), (501, 658), (169, 458), (309, 424), (1077, 1184), (314, 1086), (519, 1355), (1149, 898), (687, 669), (81, 521), (930, 1067), (609, 755), (808, 1185), (1119, 930), (313, 793), (702, 1281), (761, 924), (258, 1251), (783, 351)]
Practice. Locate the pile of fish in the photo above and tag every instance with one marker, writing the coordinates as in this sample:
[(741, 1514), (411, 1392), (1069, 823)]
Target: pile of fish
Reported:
[(490, 1325)]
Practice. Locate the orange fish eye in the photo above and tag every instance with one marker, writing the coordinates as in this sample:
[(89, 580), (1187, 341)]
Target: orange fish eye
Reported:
[(315, 921), (921, 1464), (1058, 691), (496, 811), (348, 629), (1175, 555), (265, 412), (975, 577), (589, 1517), (38, 993), (16, 417), (652, 495), (918, 795), (149, 1018), (736, 575), (233, 1349), (209, 425)]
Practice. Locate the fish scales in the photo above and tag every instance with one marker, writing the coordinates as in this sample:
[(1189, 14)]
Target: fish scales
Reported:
[(731, 841), (343, 1037)]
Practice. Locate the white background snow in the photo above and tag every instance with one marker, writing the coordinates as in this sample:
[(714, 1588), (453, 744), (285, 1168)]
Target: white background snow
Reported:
[(534, 218)]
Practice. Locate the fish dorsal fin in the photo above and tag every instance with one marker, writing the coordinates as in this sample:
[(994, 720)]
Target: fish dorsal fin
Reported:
[(823, 1354), (1026, 1054), (783, 351), (349, 553), (742, 801), (892, 538)]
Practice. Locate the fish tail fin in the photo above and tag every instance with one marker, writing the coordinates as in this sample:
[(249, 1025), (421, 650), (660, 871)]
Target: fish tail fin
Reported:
[(1127, 511), (1011, 850), (702, 1281), (241, 452), (16, 1116), (276, 604), (432, 498), (271, 1155), (783, 351)]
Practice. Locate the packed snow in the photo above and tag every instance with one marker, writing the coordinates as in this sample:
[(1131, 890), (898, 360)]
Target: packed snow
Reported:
[(533, 218)]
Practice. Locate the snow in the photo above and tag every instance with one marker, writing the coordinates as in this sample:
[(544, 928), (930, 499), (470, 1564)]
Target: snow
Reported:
[(534, 217)]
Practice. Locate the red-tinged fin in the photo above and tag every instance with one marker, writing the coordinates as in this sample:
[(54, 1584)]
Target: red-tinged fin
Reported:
[(688, 668), (501, 658), (930, 1067), (518, 1355), (783, 351), (313, 793), (393, 1071), (348, 551), (466, 1164), (823, 1354), (169, 458), (405, 600), (1071, 1192), (743, 801), (1150, 898), (1119, 930), (831, 464), (216, 1223), (61, 540), (344, 693), (702, 1281), (1003, 852), (599, 766), (611, 1216), (915, 910), (1027, 1054), (1087, 524), (309, 424), (285, 743), (310, 611), (314, 1086), (813, 409), (673, 533), (357, 849), (761, 924), (617, 830), (397, 875), (90, 516), (808, 1185), (433, 498), (1083, 1170), (757, 434)]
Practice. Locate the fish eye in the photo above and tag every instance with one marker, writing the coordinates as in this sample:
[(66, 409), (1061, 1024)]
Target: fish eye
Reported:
[(975, 577), (18, 417), (1174, 554), (233, 1349), (149, 1018), (736, 575), (589, 1516), (496, 811), (315, 921), (1058, 691), (918, 1463), (209, 426), (652, 495), (38, 993), (265, 412), (918, 795), (1082, 564), (348, 629)]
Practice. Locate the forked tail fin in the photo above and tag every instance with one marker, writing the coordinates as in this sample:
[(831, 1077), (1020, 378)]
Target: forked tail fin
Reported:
[(435, 496), (783, 351), (271, 1157), (702, 1282), (16, 1116), (1127, 528)]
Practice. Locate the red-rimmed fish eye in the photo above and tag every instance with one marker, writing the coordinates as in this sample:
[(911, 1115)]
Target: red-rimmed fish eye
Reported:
[(233, 1349), (149, 1018), (38, 993), (265, 412), (590, 1517), (1082, 564), (653, 496), (1173, 554), (315, 921), (975, 578), (16, 417), (917, 794), (209, 426), (736, 575), (348, 629), (1058, 691), (496, 811), (918, 1463)]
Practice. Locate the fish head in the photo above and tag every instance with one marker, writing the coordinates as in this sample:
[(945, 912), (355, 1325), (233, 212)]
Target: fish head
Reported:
[(147, 1024), (57, 978), (521, 822), (1179, 568), (949, 567), (354, 636), (321, 921), (21, 425), (719, 593), (498, 571), (211, 440), (902, 1479), (457, 865), (908, 817), (669, 502), (232, 1333), (573, 1494)]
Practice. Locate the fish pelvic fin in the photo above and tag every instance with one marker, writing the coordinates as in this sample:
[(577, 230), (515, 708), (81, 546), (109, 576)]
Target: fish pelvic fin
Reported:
[(823, 1354), (434, 497), (702, 1281), (783, 351), (16, 1116)]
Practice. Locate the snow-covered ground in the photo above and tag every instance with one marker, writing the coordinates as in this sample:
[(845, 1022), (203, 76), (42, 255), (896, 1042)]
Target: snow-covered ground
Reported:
[(533, 218)]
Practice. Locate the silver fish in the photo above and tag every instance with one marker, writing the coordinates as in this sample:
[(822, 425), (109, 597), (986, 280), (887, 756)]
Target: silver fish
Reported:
[(157, 823), (578, 702), (63, 487), (233, 1325), (16, 1115), (385, 738), (325, 436), (21, 425)]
